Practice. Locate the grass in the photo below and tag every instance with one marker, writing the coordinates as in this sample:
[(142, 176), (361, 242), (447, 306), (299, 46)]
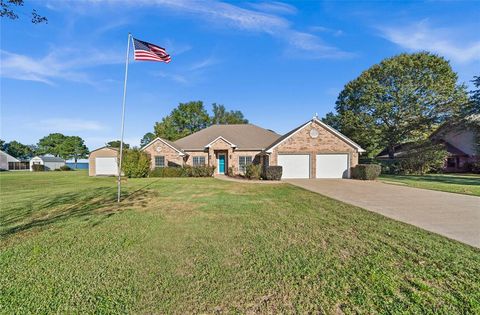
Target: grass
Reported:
[(210, 246), (468, 184)]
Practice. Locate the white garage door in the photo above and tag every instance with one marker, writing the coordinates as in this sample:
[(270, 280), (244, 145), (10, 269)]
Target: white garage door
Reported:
[(332, 166), (106, 166), (295, 165)]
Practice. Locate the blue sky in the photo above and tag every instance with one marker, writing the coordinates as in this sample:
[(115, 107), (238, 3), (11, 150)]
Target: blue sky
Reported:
[(277, 62)]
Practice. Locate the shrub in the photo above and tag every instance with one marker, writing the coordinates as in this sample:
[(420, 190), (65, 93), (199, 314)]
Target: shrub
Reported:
[(253, 171), (473, 166), (135, 163), (65, 168), (231, 171), (366, 171), (186, 171), (423, 158), (38, 167), (168, 172), (199, 171), (273, 173)]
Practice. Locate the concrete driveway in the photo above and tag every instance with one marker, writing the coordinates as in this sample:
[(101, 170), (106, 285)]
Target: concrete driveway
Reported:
[(452, 215)]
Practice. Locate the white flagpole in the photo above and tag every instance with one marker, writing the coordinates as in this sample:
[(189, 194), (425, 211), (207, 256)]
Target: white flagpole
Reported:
[(119, 181)]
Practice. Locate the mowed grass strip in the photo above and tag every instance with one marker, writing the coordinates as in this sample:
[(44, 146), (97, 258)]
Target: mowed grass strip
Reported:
[(468, 184), (210, 246)]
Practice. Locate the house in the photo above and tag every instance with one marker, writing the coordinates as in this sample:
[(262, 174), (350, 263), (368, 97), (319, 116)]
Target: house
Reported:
[(10, 163), (460, 141), (50, 162), (312, 150), (103, 162)]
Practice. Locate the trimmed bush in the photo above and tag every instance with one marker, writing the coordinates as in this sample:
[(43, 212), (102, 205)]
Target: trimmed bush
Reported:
[(65, 168), (366, 171), (186, 171), (253, 171), (135, 163), (199, 171), (231, 171), (273, 173), (168, 172), (38, 167)]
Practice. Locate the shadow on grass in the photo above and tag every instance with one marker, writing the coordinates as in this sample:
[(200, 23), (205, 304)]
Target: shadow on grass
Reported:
[(441, 179), (100, 203)]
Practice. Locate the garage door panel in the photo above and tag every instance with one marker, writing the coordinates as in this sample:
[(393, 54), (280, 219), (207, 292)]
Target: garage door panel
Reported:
[(294, 165), (106, 166), (331, 166)]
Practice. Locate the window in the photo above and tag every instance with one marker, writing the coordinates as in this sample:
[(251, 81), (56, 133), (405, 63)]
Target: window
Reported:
[(198, 160), (159, 161), (451, 162), (243, 161)]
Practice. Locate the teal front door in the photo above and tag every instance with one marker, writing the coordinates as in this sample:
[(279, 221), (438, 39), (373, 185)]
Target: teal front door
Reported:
[(221, 164)]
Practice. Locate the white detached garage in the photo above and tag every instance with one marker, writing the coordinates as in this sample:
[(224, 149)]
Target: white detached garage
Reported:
[(103, 162)]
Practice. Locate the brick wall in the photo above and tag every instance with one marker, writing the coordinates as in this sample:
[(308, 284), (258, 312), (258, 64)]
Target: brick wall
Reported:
[(159, 148), (303, 143)]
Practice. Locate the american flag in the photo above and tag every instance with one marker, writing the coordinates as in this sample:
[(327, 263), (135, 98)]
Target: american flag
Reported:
[(149, 52)]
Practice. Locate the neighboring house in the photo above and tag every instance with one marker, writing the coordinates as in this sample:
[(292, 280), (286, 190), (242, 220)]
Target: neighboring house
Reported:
[(103, 162), (50, 162), (82, 164), (459, 141), (10, 163), (312, 150)]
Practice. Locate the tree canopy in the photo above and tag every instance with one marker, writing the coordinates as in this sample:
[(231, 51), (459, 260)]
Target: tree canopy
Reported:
[(73, 147), (116, 144), (223, 117), (19, 150), (401, 99), (147, 138), (8, 8), (474, 105), (51, 144), (191, 117)]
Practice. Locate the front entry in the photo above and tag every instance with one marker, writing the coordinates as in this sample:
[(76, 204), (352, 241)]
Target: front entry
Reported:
[(221, 163)]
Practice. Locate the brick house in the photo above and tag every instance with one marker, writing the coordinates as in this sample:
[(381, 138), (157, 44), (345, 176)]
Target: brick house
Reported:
[(312, 150)]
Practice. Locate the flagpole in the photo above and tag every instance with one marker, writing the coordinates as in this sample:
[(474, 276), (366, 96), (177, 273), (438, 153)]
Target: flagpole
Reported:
[(119, 181)]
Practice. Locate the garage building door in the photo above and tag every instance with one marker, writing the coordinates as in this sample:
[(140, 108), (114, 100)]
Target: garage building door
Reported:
[(295, 165), (106, 166), (332, 166)]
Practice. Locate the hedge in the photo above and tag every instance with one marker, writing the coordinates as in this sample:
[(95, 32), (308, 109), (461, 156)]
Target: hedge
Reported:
[(65, 168), (273, 173), (186, 171), (366, 171), (38, 167)]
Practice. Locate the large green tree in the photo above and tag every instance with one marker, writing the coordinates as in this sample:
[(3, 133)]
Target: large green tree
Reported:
[(223, 117), (147, 138), (474, 104), (19, 150), (73, 147), (401, 99), (191, 117), (185, 119), (50, 144)]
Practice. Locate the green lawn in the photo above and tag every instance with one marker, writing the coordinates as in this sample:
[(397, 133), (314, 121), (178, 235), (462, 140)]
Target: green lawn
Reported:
[(211, 246), (468, 184)]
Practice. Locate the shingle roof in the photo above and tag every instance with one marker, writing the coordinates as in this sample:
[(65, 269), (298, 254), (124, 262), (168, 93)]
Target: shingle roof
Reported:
[(51, 159), (245, 137)]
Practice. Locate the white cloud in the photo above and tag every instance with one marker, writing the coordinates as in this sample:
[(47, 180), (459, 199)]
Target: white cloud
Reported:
[(65, 64), (261, 21), (172, 76), (422, 36), (274, 7), (323, 29), (210, 61), (66, 125)]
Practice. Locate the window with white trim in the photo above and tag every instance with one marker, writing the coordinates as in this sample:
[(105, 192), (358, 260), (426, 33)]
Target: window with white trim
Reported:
[(159, 161), (198, 161), (243, 161)]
